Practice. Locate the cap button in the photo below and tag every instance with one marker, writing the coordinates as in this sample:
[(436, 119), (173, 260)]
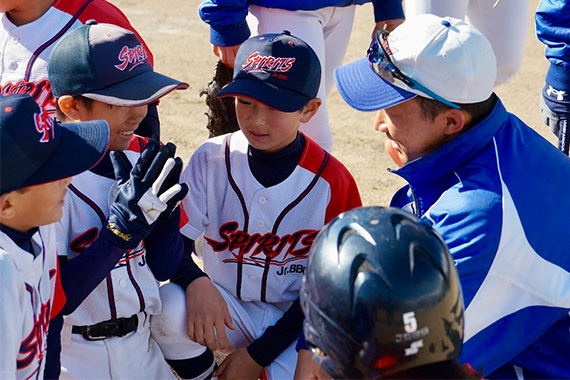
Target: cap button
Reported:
[(445, 23), (286, 32), (90, 22)]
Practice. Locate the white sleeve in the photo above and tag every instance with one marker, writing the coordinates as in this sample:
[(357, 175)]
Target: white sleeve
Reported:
[(10, 318), (62, 228)]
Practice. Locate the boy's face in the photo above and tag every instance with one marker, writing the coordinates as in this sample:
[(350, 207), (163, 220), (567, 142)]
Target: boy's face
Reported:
[(410, 134), (266, 128), (122, 120), (10, 5), (34, 206)]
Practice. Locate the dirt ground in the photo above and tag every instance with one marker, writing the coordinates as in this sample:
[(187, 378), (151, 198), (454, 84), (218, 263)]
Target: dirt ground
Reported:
[(179, 41)]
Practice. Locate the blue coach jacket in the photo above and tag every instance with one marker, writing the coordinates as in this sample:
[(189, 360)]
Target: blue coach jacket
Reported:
[(497, 194), (552, 20), (227, 17)]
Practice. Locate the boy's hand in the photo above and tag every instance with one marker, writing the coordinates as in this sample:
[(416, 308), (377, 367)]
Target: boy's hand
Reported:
[(207, 315), (238, 365), (307, 368), (227, 54), (389, 25), (161, 200), (142, 193)]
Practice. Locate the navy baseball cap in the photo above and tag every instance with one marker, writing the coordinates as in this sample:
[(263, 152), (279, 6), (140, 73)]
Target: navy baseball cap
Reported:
[(35, 149), (107, 63), (278, 70)]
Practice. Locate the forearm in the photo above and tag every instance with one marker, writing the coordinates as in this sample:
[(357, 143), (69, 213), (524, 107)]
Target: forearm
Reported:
[(187, 271), (265, 349), (552, 21), (53, 362), (82, 274), (164, 249)]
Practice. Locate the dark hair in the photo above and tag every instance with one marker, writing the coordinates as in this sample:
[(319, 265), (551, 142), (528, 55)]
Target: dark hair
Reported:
[(449, 369), (478, 111), (87, 102)]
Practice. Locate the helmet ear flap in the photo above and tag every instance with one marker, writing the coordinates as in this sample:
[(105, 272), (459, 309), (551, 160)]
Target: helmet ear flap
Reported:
[(366, 315)]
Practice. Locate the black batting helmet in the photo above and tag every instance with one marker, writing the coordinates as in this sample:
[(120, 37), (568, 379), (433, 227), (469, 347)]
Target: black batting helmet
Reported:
[(380, 295)]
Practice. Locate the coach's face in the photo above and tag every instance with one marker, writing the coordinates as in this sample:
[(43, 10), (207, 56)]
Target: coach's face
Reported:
[(412, 135)]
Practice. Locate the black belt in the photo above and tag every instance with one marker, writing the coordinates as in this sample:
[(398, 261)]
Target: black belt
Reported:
[(103, 330)]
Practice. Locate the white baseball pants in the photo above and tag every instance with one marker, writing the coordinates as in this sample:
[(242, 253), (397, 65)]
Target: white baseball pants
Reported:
[(504, 25), (250, 321)]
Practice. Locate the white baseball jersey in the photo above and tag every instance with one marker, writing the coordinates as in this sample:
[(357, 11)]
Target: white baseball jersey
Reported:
[(30, 293), (24, 50), (256, 239), (131, 286)]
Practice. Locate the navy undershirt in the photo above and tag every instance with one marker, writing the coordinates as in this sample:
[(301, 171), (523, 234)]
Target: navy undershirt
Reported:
[(104, 168), (22, 239), (269, 169)]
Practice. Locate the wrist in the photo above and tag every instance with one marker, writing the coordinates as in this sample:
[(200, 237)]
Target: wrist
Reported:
[(229, 35), (258, 359), (171, 218), (558, 76), (118, 235)]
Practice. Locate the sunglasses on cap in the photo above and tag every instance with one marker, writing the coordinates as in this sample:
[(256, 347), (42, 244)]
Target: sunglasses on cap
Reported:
[(383, 66)]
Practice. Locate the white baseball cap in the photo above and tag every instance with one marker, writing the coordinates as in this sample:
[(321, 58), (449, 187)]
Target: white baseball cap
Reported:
[(440, 58)]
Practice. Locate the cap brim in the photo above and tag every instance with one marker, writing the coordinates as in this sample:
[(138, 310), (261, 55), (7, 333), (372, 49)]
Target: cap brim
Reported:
[(363, 90), (81, 146), (137, 91), (279, 98)]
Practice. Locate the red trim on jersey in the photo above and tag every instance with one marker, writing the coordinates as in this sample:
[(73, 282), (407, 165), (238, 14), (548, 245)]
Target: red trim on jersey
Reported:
[(183, 216), (312, 156), (344, 192), (138, 143), (103, 12), (59, 298)]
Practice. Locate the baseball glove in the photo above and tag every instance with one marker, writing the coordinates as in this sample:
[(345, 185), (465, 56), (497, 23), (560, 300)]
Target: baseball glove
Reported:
[(221, 111)]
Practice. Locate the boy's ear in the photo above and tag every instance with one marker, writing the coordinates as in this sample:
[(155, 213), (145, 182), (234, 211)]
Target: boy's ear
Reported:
[(69, 106), (310, 109), (7, 211)]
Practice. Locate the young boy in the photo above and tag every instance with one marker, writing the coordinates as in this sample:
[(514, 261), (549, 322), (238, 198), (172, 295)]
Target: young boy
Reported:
[(325, 25), (102, 71), (37, 158), (30, 30), (259, 195)]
